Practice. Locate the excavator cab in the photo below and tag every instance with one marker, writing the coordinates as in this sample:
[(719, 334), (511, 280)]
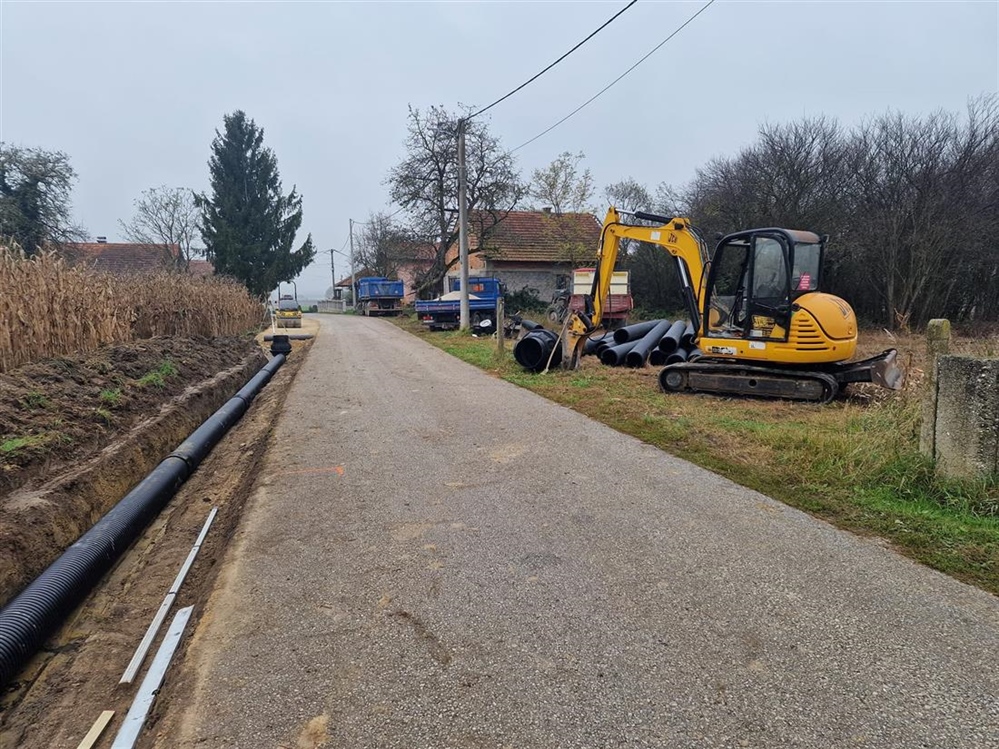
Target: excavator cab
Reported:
[(754, 280)]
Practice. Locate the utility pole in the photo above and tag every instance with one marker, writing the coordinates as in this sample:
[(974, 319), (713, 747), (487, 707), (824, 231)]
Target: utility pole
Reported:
[(353, 294), (463, 224), (333, 272)]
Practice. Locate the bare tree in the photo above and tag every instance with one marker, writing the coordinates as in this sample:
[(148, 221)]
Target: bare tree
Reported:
[(562, 186), (911, 205), (166, 215), (384, 245), (425, 184)]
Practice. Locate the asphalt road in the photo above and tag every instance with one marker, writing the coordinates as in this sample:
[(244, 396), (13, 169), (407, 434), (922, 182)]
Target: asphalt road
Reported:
[(436, 558)]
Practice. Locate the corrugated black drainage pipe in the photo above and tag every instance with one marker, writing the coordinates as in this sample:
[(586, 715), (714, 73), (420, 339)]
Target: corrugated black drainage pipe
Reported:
[(533, 351), (41, 607)]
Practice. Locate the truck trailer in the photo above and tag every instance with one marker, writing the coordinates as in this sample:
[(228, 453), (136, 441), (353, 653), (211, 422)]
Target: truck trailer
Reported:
[(379, 296), (444, 312)]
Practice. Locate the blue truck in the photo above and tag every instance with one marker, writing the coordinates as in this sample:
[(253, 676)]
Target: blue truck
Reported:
[(444, 313), (379, 296)]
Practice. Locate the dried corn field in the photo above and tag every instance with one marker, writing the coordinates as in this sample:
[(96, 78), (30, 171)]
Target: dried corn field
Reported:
[(49, 309)]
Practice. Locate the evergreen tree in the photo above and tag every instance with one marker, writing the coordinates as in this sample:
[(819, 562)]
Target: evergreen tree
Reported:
[(247, 225)]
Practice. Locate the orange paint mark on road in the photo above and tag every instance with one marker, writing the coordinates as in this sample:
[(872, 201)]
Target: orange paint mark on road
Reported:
[(338, 470)]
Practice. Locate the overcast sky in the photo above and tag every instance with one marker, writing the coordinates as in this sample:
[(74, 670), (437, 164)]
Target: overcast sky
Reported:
[(133, 92)]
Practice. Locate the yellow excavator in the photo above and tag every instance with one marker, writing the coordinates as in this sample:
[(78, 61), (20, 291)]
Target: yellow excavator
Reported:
[(763, 327)]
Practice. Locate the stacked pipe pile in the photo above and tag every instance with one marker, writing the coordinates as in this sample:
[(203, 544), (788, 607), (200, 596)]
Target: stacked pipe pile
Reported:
[(657, 342)]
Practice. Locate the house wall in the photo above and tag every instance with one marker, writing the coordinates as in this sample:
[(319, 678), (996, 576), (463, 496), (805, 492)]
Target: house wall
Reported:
[(542, 277)]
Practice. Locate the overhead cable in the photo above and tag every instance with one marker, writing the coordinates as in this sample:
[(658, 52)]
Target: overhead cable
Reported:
[(612, 83), (538, 75)]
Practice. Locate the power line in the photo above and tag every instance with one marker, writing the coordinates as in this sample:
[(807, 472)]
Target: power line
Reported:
[(534, 78), (391, 215), (612, 83)]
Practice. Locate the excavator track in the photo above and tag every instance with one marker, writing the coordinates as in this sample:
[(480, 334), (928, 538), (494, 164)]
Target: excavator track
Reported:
[(741, 378), (734, 378)]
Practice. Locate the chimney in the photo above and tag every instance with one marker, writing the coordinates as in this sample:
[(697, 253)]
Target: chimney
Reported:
[(547, 209), (102, 240)]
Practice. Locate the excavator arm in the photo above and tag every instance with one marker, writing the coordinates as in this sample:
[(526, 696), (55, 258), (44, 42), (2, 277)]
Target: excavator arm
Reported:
[(674, 235)]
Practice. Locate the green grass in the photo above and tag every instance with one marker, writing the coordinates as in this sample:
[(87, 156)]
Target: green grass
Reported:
[(854, 462), (104, 415), (35, 400), (15, 445), (158, 377), (111, 397)]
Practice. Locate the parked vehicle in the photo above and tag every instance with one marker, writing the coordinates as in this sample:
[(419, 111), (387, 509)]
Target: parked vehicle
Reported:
[(619, 302), (289, 313), (379, 296), (444, 313)]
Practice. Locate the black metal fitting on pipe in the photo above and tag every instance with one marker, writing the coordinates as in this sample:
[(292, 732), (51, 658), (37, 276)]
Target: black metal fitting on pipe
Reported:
[(638, 355), (535, 349), (531, 325), (42, 606)]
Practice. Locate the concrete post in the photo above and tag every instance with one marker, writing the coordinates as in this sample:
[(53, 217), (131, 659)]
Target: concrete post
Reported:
[(937, 345), (967, 417)]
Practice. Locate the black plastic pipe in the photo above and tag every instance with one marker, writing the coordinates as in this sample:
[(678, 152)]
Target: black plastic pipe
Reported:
[(671, 341), (534, 351), (688, 337), (640, 354), (680, 355), (593, 342), (657, 357), (634, 332), (614, 355), (42, 606)]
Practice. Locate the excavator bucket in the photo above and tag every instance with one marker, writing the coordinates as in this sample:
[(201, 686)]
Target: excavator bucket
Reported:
[(882, 370), (886, 372)]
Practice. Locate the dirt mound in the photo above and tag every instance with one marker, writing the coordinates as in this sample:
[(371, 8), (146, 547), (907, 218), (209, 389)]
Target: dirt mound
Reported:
[(59, 411)]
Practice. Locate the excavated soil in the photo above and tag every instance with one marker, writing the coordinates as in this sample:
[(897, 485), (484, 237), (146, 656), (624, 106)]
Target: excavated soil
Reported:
[(57, 697)]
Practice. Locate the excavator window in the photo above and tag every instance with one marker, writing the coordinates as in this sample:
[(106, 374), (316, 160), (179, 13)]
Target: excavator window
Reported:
[(805, 271), (769, 270), (727, 301)]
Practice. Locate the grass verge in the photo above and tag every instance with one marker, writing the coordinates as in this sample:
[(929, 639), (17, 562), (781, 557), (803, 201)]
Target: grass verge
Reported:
[(158, 377), (854, 463)]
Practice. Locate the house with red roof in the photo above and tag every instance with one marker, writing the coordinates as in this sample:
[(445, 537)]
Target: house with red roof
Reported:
[(122, 258), (534, 250)]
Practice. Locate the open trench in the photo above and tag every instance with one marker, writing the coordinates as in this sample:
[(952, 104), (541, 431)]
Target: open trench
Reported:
[(66, 686)]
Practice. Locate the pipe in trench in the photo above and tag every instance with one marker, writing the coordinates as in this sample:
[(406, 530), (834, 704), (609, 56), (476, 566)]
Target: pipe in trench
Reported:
[(638, 355), (41, 607)]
